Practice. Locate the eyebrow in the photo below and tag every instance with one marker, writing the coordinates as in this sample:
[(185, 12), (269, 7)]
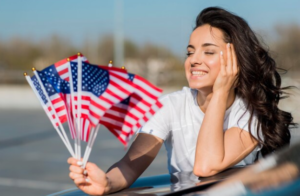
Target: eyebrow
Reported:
[(203, 45)]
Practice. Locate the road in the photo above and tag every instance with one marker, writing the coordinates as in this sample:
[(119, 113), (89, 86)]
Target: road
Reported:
[(33, 158)]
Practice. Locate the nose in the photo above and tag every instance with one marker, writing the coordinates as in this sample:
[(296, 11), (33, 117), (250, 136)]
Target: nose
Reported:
[(196, 59)]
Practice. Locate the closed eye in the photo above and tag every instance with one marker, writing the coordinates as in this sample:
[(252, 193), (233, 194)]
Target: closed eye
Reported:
[(189, 53)]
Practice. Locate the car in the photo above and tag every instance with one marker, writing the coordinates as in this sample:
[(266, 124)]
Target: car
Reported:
[(179, 183)]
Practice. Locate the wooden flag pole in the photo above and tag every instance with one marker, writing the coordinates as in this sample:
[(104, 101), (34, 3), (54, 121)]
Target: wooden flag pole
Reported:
[(47, 113)]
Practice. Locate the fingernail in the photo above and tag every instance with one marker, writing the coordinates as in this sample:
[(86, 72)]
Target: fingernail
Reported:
[(228, 45), (84, 172), (221, 53), (87, 180), (79, 163)]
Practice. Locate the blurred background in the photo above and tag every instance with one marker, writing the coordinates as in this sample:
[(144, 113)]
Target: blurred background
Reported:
[(148, 37)]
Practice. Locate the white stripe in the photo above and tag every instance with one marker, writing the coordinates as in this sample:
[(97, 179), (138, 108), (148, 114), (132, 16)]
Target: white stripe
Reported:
[(62, 113), (136, 112), (126, 85), (62, 67), (59, 104), (110, 97), (146, 87), (112, 121), (64, 76), (115, 113), (116, 91), (130, 120)]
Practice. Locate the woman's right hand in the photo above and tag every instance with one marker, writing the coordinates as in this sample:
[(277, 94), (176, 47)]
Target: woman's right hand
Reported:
[(93, 181)]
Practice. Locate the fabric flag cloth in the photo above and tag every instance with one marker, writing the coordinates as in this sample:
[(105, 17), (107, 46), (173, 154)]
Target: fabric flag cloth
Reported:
[(62, 66), (123, 119), (46, 104), (62, 88), (55, 98), (101, 89), (60, 70)]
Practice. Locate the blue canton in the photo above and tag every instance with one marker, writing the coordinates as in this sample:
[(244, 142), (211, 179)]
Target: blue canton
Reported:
[(39, 89), (60, 85), (48, 87), (94, 78)]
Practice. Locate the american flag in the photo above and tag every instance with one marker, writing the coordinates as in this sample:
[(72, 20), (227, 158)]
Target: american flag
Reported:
[(55, 100), (62, 88), (123, 118), (62, 66), (100, 90)]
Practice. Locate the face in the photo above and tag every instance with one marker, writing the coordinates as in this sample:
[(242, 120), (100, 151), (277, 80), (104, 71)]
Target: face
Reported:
[(202, 64)]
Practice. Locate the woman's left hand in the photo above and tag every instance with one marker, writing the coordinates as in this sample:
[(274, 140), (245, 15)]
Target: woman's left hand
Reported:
[(228, 71)]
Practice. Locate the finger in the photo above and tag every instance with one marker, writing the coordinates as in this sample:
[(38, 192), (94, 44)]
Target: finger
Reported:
[(234, 60), (73, 161), (222, 61), (80, 181), (76, 169), (229, 59), (73, 175)]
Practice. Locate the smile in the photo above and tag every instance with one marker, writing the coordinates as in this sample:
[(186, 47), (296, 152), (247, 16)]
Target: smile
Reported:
[(199, 73)]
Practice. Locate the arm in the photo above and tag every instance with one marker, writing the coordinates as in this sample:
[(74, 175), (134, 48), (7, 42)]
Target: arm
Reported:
[(217, 150), (123, 173)]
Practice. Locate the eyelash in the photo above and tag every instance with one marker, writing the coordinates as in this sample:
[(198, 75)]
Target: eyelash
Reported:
[(188, 53), (207, 53)]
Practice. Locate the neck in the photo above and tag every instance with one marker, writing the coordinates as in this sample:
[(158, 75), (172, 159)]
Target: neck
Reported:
[(204, 97)]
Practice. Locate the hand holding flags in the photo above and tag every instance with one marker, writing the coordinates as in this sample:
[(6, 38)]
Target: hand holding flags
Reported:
[(86, 95)]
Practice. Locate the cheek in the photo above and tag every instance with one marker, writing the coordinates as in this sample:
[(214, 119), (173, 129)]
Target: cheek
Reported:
[(214, 67)]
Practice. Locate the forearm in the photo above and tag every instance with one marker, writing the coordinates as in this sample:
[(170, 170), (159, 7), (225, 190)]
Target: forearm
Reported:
[(210, 144), (116, 178), (140, 155)]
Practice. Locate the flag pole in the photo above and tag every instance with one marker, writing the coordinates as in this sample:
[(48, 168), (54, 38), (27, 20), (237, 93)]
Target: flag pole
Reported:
[(79, 92), (49, 116), (90, 145), (51, 105), (73, 108)]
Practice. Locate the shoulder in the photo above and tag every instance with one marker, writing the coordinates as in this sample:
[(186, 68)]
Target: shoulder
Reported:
[(178, 97)]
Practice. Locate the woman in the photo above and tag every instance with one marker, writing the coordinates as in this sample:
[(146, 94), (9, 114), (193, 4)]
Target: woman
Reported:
[(234, 82)]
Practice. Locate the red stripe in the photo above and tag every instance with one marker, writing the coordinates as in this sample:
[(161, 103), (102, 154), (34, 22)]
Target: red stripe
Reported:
[(63, 119), (114, 95), (139, 99), (119, 87), (146, 92), (95, 104), (59, 109), (148, 83), (112, 68), (119, 110), (63, 71), (57, 100), (116, 134), (106, 100)]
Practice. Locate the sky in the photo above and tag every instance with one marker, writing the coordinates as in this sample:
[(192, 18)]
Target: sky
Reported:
[(164, 22)]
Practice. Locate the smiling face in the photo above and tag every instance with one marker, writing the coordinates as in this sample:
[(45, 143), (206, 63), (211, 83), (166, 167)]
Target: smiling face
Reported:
[(202, 64)]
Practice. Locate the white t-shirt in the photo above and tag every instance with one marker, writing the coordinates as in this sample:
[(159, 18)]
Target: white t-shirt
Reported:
[(178, 123)]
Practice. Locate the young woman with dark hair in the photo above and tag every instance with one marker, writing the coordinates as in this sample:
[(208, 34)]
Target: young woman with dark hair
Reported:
[(227, 115)]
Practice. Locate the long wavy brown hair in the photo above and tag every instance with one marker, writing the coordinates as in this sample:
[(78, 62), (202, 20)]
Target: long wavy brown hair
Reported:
[(258, 81)]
